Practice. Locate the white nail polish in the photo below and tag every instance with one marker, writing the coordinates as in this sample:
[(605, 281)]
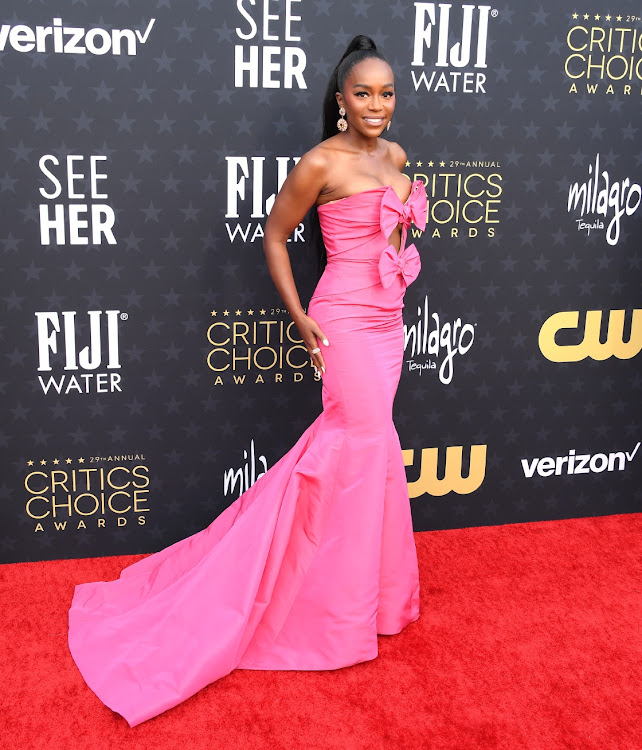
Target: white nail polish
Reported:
[(326, 342)]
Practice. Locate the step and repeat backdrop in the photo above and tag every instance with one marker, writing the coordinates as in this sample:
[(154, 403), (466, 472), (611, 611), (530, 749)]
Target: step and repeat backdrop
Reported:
[(150, 371)]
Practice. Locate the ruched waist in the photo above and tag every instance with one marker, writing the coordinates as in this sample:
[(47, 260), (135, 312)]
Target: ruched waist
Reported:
[(346, 275)]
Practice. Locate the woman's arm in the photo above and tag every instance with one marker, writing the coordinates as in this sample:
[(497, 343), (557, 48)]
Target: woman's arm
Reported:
[(297, 195)]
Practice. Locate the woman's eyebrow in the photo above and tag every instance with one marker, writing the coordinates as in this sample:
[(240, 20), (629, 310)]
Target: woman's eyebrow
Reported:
[(366, 86)]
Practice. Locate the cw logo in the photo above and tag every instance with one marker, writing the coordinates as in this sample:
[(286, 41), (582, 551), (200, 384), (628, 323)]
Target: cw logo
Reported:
[(591, 346), (453, 481)]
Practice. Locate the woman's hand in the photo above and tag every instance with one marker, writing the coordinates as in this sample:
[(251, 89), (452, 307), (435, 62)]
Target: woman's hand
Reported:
[(313, 338)]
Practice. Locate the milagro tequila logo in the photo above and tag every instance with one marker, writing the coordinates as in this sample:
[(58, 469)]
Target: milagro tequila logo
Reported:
[(59, 339), (237, 481), (240, 198), (447, 62), (433, 343), (72, 40), (603, 199)]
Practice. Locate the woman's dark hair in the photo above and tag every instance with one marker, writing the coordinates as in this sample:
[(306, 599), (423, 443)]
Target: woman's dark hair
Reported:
[(360, 48)]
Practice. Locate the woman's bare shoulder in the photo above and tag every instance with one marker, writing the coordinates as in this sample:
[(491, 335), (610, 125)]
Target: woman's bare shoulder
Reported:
[(397, 155), (320, 156)]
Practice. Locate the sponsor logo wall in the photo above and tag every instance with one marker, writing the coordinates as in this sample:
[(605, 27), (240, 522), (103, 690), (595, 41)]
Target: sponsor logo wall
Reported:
[(150, 371)]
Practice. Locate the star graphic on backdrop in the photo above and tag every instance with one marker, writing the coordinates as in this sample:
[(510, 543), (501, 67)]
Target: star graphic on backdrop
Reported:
[(164, 62), (144, 93), (60, 91)]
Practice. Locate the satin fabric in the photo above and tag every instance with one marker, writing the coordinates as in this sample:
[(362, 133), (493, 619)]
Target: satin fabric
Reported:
[(317, 557)]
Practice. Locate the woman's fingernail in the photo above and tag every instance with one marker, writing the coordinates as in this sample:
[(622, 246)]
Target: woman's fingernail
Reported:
[(323, 368), (326, 342)]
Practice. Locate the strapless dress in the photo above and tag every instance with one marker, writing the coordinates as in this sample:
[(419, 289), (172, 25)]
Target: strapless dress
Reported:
[(305, 568)]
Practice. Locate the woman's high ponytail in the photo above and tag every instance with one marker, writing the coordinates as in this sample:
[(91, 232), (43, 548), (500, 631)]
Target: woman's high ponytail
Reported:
[(359, 49)]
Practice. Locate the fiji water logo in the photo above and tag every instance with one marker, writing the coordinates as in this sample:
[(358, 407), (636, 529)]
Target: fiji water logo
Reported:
[(253, 186), (435, 30), (60, 337)]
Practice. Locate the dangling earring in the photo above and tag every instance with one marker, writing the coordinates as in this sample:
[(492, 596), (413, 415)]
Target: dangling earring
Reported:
[(342, 123), (388, 125)]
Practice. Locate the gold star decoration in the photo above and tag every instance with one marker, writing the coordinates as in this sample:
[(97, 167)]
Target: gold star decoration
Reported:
[(238, 312), (407, 163), (250, 312), (419, 163), (442, 163), (262, 311), (574, 16), (597, 16), (226, 313), (29, 463), (586, 16), (56, 462), (607, 17), (213, 313), (43, 462), (67, 460), (618, 18), (431, 163), (81, 460)]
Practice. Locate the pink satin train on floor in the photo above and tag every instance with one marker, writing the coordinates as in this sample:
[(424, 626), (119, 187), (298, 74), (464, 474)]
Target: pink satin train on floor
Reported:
[(315, 559)]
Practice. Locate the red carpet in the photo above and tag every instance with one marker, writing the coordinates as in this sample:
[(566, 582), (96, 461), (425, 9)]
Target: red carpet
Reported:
[(530, 637)]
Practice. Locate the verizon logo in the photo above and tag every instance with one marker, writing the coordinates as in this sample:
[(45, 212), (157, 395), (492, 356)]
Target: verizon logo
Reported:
[(72, 40)]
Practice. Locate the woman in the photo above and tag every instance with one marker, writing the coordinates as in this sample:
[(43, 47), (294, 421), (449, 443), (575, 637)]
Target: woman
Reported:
[(317, 557)]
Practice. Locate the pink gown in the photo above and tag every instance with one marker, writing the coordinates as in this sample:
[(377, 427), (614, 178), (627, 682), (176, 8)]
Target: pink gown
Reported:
[(318, 556)]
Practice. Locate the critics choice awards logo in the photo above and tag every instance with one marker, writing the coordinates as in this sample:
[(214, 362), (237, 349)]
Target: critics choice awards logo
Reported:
[(252, 186), (76, 368), (267, 55), (60, 39), (256, 346), (99, 492), (450, 47), (464, 197), (604, 53), (601, 199)]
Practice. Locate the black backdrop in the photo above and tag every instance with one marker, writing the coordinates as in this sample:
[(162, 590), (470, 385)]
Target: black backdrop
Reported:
[(150, 371)]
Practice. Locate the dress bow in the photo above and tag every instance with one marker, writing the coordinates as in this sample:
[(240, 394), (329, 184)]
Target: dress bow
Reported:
[(406, 263), (394, 212)]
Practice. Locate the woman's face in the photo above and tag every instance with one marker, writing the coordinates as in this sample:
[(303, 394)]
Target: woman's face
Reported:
[(368, 97)]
